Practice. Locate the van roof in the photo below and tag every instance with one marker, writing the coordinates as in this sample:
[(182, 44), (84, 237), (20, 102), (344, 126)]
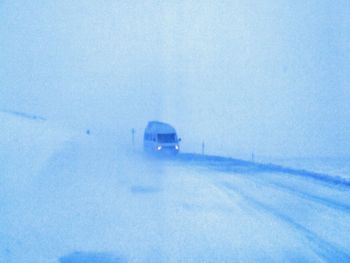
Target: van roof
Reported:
[(159, 127)]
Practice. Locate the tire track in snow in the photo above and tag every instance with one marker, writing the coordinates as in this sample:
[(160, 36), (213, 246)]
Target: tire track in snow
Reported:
[(328, 251), (311, 197), (227, 165), (302, 194)]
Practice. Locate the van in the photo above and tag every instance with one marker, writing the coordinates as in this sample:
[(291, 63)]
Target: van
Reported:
[(160, 137)]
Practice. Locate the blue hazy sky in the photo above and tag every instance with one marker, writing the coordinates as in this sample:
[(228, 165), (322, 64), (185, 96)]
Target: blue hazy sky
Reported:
[(271, 77)]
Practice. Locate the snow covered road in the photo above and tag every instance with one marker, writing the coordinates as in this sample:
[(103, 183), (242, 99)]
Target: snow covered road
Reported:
[(86, 198)]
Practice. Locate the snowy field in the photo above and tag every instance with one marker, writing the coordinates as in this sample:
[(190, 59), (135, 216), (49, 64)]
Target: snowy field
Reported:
[(71, 197)]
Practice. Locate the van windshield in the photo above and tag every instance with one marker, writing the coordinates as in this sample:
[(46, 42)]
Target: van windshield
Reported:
[(168, 137)]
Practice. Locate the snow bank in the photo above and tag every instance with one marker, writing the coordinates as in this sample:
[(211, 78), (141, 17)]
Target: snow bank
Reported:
[(27, 143)]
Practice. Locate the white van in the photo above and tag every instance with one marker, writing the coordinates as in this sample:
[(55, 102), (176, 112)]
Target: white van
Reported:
[(160, 137)]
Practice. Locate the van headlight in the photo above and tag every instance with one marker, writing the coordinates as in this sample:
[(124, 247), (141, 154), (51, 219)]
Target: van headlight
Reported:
[(176, 147), (159, 148)]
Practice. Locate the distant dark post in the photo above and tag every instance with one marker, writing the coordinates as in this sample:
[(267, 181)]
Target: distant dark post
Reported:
[(133, 137), (203, 147)]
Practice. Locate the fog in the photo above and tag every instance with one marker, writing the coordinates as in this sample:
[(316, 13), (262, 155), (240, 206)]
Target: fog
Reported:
[(267, 77), (264, 77)]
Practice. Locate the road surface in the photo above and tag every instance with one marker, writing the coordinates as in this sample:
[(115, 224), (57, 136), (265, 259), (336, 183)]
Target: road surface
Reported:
[(88, 198)]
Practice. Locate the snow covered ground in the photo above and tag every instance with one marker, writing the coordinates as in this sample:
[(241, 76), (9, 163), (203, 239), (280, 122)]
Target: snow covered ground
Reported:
[(71, 197), (331, 165)]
